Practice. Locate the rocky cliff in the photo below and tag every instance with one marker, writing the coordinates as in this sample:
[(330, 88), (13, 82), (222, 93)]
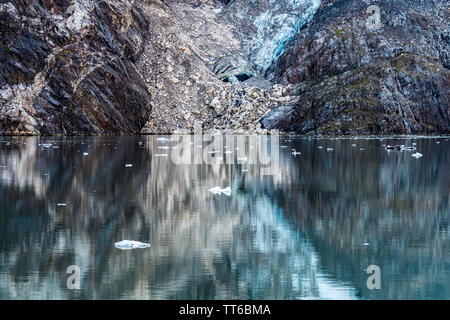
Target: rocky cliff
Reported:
[(355, 77), (154, 66), (67, 67)]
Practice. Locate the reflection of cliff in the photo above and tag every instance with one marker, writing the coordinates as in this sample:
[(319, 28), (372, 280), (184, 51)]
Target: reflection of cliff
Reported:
[(296, 234), (400, 206), (202, 246)]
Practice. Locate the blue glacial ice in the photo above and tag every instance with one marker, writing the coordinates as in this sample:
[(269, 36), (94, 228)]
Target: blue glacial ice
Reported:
[(275, 28)]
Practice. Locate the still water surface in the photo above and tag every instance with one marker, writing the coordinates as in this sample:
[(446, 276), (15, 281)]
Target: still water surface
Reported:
[(307, 230)]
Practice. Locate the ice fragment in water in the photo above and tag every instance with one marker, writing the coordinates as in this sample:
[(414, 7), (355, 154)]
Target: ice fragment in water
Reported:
[(417, 155), (218, 190), (130, 244)]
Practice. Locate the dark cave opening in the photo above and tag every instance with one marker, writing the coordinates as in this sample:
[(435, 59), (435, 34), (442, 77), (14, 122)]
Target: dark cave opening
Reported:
[(241, 77)]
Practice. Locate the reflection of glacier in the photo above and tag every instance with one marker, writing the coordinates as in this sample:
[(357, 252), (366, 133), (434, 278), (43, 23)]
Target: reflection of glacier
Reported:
[(303, 276), (296, 234)]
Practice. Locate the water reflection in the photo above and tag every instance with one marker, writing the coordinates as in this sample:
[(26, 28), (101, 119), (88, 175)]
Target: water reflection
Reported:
[(307, 231)]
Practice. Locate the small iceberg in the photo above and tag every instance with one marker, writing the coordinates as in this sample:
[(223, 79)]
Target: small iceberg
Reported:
[(417, 155), (85, 154), (218, 190), (130, 244), (295, 153), (396, 147), (128, 165)]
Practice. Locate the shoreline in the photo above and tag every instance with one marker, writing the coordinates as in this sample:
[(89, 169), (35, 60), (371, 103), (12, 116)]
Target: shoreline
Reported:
[(283, 134)]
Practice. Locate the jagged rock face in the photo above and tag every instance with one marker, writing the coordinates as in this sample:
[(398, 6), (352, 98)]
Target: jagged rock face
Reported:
[(153, 66), (191, 47), (355, 80), (66, 67)]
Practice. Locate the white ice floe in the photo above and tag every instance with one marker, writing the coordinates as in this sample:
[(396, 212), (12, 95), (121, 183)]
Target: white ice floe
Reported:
[(407, 148), (85, 153), (161, 155), (218, 190), (417, 155), (329, 149), (128, 165), (295, 153), (131, 244), (61, 204)]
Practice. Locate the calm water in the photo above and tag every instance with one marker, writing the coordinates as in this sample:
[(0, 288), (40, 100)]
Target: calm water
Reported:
[(306, 229)]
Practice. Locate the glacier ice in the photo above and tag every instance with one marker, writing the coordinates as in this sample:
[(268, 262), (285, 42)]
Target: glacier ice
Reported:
[(266, 27), (275, 29)]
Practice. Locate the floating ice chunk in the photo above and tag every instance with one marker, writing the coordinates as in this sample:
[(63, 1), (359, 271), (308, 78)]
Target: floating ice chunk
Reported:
[(330, 149), (61, 204), (417, 155), (161, 155), (165, 148), (218, 190), (320, 147), (47, 145), (367, 244), (295, 153), (85, 153), (130, 244), (353, 145), (128, 165), (409, 148)]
